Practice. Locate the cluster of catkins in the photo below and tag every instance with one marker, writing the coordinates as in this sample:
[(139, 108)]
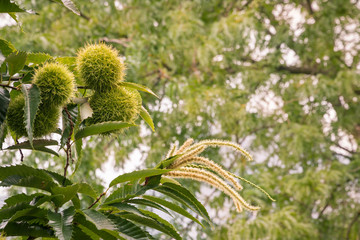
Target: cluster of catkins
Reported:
[(102, 71), (99, 66), (56, 85)]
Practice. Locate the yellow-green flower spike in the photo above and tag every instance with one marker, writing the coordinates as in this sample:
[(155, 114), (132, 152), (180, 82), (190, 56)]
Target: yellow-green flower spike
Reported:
[(56, 84), (46, 118), (100, 67), (119, 104)]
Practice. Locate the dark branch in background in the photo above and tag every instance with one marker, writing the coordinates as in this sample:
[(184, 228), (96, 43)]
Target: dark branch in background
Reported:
[(121, 41), (84, 16), (309, 70), (68, 144), (308, 7), (356, 217), (303, 70), (327, 204)]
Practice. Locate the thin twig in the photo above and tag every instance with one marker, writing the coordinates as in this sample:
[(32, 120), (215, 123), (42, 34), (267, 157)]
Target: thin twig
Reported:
[(98, 199), (356, 217), (68, 144), (21, 153), (7, 86)]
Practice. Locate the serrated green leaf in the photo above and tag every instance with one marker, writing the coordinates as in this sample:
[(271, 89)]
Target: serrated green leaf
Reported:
[(148, 203), (62, 223), (13, 16), (6, 213), (69, 192), (89, 228), (8, 7), (144, 114), (138, 87), (152, 223), (37, 58), (69, 5), (98, 219), (6, 47), (86, 189), (137, 175), (24, 229), (29, 214), (128, 228), (38, 145), (32, 100), (78, 233), (59, 178), (16, 62), (183, 196), (35, 199), (172, 207), (165, 223), (126, 191), (4, 104), (29, 181), (101, 128), (23, 171)]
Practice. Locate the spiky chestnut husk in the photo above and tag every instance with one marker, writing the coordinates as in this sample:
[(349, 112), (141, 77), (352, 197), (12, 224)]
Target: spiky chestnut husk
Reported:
[(100, 67), (56, 84), (119, 104), (46, 119)]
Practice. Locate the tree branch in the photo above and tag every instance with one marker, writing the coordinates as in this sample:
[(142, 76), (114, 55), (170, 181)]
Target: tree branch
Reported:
[(121, 41), (68, 144), (303, 70), (356, 217), (98, 199)]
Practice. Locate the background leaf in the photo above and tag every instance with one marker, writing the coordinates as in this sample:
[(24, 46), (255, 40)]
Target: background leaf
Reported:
[(6, 47), (37, 58), (16, 62)]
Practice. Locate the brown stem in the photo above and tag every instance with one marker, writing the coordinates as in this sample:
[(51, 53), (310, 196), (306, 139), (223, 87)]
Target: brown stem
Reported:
[(98, 199), (21, 153), (68, 144)]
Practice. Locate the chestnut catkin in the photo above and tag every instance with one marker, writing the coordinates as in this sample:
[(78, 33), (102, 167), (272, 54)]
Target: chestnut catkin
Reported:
[(100, 67)]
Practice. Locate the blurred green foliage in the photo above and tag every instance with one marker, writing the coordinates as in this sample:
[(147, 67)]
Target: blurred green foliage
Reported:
[(280, 77)]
